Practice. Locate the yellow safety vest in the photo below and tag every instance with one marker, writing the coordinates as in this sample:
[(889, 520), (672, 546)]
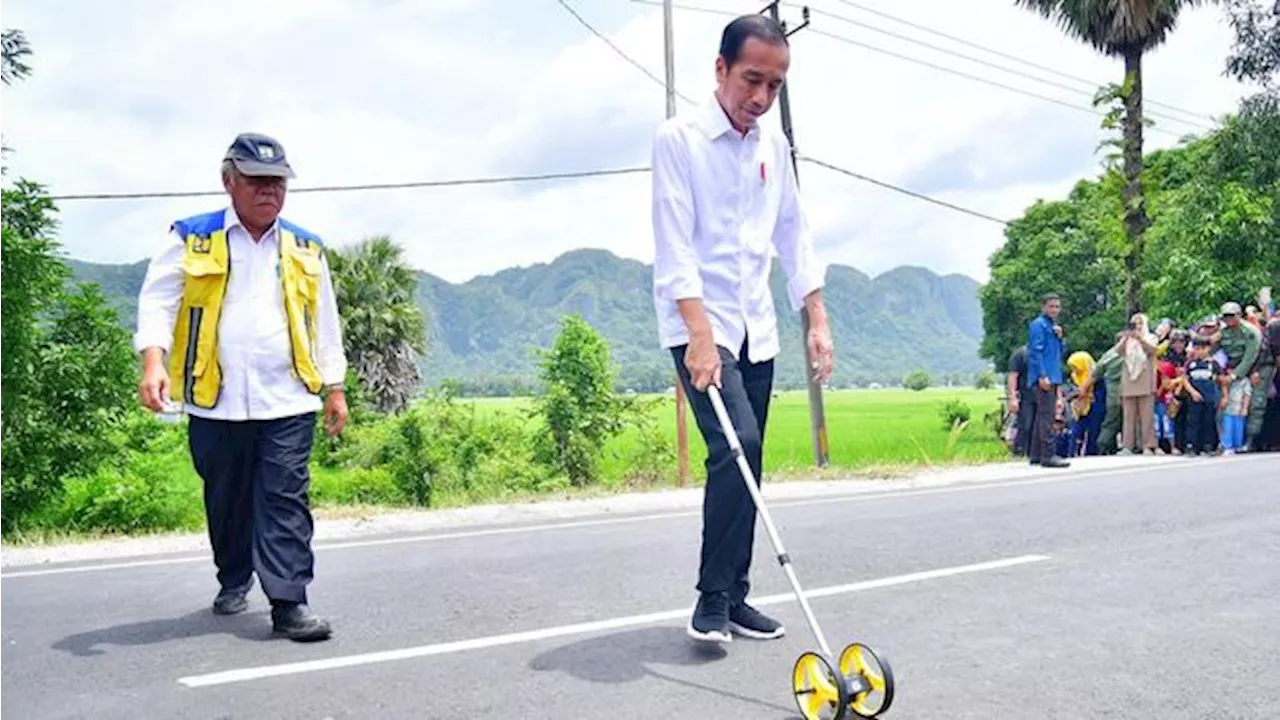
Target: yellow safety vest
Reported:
[(194, 371)]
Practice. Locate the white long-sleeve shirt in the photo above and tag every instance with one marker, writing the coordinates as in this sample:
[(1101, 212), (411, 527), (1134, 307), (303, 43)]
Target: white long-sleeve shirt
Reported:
[(253, 333), (723, 203)]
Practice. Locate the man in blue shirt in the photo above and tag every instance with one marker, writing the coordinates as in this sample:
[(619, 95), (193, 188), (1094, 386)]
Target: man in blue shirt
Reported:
[(1043, 378)]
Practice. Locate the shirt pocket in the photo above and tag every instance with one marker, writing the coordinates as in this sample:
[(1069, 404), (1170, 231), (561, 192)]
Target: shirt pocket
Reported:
[(763, 189)]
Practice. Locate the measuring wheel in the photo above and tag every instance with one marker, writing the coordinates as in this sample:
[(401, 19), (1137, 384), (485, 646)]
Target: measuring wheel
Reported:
[(869, 680), (820, 692)]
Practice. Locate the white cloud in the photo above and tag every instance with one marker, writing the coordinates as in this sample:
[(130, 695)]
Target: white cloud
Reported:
[(146, 95)]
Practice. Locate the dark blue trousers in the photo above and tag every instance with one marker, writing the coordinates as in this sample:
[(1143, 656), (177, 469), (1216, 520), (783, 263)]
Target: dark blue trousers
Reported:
[(256, 496), (728, 514)]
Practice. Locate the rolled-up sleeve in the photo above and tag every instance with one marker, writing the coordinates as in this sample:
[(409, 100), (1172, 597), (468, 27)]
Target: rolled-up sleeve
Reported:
[(675, 265), (330, 355), (792, 239), (159, 297)]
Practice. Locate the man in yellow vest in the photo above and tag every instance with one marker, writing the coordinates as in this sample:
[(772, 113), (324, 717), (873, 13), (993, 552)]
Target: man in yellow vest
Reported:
[(237, 323)]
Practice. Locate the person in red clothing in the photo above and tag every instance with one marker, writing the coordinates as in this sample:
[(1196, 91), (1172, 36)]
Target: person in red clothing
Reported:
[(1166, 381)]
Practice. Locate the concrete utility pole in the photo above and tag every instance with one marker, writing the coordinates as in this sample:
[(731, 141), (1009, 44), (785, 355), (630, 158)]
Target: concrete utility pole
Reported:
[(817, 415), (682, 426)]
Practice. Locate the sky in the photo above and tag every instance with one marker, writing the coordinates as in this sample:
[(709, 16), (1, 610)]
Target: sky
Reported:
[(134, 96)]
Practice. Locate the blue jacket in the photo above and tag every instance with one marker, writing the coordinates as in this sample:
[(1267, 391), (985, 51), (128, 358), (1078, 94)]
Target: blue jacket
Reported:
[(1044, 352)]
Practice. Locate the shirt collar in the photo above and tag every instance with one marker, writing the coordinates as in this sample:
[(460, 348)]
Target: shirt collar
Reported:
[(714, 121), (230, 220)]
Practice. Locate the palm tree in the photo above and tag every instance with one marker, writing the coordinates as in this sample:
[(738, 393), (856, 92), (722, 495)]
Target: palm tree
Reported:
[(13, 48), (383, 329), (1125, 29)]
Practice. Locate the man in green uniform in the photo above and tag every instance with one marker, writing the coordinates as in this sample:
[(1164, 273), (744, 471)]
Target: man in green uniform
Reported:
[(1107, 369), (1242, 343)]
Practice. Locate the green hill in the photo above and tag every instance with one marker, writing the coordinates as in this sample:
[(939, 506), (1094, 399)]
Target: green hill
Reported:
[(485, 331)]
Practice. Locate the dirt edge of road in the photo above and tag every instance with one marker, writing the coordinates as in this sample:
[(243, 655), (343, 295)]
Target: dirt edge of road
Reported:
[(375, 522)]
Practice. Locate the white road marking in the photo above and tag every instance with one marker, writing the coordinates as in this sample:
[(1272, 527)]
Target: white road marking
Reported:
[(257, 673), (1057, 477)]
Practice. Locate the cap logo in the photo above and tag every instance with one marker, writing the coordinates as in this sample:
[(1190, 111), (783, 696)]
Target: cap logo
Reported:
[(266, 152)]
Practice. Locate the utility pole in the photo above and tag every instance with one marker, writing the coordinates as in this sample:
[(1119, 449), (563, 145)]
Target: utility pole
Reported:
[(682, 425), (817, 415)]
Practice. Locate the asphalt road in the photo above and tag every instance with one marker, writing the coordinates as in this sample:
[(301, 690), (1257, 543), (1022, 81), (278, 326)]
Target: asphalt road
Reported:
[(1140, 594)]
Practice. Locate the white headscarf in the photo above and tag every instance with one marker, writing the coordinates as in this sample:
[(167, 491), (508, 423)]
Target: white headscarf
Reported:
[(1136, 356)]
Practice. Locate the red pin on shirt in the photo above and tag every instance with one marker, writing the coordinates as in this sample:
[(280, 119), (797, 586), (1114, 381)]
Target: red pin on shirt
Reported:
[(762, 173)]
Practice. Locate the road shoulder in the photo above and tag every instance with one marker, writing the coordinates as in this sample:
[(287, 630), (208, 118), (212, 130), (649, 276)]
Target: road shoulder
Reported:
[(402, 522)]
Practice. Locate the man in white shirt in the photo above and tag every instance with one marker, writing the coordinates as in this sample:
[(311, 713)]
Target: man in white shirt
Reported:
[(237, 321), (724, 198)]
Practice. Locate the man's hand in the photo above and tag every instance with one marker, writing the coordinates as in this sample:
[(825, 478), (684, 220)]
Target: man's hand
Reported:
[(702, 359), (821, 351), (1013, 405), (1045, 384), (153, 388), (335, 412), (821, 347), (1057, 330)]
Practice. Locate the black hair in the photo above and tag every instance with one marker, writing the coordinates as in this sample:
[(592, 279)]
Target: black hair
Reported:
[(737, 33)]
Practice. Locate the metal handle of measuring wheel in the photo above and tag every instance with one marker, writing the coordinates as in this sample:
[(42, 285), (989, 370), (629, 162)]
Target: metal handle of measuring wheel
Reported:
[(735, 445)]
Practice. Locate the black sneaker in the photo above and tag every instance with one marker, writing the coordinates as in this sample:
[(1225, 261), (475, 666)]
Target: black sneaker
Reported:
[(749, 622), (298, 623), (710, 621), (230, 602)]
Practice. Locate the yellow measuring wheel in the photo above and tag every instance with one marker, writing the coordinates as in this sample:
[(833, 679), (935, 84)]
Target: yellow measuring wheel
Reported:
[(826, 688)]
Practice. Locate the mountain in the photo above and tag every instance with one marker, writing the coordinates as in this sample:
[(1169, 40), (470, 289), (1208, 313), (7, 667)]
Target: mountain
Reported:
[(485, 332)]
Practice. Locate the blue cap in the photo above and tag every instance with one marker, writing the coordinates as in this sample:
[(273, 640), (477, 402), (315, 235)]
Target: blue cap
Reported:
[(258, 155)]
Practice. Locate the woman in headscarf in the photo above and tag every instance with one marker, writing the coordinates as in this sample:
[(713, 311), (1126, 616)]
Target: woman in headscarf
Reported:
[(1138, 387), (1088, 404)]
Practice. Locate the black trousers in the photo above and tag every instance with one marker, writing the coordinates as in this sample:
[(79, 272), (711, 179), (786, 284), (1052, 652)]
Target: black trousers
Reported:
[(1042, 422), (1202, 426), (1180, 437), (728, 514), (256, 496), (1026, 409)]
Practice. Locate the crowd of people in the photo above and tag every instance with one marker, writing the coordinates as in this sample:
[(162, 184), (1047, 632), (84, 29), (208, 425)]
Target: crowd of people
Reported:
[(1208, 387)]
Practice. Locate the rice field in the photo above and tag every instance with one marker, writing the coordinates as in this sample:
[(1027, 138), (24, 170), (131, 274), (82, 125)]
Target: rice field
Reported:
[(865, 429)]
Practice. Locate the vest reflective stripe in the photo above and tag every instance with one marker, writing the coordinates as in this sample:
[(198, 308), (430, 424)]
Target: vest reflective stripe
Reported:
[(194, 371)]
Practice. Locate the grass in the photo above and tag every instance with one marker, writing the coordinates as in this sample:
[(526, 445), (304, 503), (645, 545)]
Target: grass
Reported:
[(876, 433), (866, 429)]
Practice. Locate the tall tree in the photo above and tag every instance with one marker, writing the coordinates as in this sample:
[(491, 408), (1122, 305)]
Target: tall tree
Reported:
[(68, 373), (1060, 246), (1126, 29), (13, 49), (1255, 53), (383, 329)]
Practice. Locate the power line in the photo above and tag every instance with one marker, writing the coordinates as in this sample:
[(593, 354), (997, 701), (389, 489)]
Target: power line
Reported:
[(370, 186), (911, 193), (850, 173), (621, 53), (942, 68), (997, 66), (977, 78), (1007, 56), (538, 177)]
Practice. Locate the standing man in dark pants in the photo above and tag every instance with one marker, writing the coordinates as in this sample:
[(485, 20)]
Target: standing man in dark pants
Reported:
[(724, 197), (1044, 377), (1020, 405), (237, 322)]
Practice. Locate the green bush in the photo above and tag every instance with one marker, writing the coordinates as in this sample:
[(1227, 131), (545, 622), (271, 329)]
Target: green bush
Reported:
[(954, 411), (580, 406), (147, 486), (356, 486), (917, 380), (439, 452)]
